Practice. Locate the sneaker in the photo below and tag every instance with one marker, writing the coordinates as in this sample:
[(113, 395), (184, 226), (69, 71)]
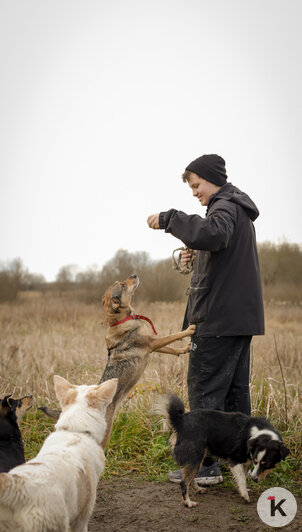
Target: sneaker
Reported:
[(206, 475)]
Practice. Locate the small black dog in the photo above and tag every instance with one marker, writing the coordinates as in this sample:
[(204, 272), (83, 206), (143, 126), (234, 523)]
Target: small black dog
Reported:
[(11, 444), (240, 439)]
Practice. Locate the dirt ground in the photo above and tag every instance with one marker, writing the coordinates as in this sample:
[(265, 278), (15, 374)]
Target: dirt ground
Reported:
[(128, 504)]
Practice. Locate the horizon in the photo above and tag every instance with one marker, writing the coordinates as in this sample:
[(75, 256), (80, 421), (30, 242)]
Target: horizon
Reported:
[(78, 269)]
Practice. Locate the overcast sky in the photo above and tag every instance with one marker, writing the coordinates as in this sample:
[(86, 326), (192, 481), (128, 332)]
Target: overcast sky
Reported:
[(104, 103)]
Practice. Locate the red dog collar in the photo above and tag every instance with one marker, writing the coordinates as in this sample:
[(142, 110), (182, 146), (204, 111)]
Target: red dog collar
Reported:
[(135, 317)]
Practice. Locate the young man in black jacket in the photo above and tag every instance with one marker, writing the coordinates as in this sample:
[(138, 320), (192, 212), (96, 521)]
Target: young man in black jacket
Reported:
[(225, 299)]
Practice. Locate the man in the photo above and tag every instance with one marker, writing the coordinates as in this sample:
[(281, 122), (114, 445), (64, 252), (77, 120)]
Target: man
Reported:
[(225, 299)]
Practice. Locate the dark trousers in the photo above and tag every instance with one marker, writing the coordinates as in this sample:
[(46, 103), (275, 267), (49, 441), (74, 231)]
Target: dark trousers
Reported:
[(218, 373)]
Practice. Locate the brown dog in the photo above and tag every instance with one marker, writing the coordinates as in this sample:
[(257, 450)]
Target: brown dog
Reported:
[(129, 339)]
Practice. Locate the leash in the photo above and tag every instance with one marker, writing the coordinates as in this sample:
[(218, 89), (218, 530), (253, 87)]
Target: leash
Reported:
[(176, 263), (135, 317)]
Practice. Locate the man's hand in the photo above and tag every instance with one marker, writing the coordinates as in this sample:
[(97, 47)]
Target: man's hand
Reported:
[(186, 256), (153, 221)]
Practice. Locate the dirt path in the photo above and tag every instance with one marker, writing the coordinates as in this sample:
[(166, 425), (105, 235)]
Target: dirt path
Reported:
[(131, 505)]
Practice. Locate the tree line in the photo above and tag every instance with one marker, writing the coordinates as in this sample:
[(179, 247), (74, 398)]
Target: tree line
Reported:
[(280, 265)]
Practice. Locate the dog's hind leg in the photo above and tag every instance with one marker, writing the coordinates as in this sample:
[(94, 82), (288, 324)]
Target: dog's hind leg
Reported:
[(79, 527), (197, 488), (189, 472), (240, 480)]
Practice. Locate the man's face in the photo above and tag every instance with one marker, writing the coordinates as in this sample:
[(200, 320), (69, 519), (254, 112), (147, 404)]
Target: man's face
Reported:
[(201, 188)]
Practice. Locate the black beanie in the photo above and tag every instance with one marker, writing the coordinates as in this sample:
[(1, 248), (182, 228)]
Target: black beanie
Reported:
[(209, 167)]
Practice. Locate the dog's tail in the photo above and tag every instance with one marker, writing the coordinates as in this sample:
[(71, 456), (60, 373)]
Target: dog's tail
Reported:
[(50, 412), (172, 409)]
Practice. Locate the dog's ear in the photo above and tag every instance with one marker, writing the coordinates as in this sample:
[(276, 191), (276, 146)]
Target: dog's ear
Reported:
[(284, 451), (62, 386), (5, 406), (106, 391), (111, 302), (115, 303), (252, 447), (13, 403)]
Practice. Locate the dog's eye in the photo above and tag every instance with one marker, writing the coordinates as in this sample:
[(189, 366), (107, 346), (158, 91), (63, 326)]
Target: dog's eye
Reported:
[(262, 462)]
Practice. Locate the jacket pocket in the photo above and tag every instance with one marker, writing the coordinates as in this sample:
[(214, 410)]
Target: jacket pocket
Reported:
[(197, 304)]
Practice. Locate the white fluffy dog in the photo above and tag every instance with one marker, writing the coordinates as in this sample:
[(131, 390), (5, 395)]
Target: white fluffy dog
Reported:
[(56, 490)]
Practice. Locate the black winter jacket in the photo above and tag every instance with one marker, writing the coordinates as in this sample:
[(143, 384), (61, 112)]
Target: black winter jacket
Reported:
[(225, 296)]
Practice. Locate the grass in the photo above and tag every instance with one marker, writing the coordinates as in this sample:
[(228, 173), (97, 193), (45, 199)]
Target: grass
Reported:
[(139, 446), (46, 335)]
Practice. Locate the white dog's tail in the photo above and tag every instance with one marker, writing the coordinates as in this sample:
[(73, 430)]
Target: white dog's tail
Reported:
[(11, 489)]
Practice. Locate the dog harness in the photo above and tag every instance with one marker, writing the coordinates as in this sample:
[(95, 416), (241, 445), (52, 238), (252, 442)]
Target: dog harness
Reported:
[(135, 317)]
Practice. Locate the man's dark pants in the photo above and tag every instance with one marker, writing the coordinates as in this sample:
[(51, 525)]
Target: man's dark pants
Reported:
[(218, 374)]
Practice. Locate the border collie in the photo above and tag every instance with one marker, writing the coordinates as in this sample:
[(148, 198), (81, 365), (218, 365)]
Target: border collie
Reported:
[(241, 440)]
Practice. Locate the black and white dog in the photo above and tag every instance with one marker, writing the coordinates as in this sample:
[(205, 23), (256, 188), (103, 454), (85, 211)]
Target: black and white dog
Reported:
[(241, 440)]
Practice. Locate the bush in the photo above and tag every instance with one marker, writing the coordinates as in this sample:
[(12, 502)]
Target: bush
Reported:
[(8, 287)]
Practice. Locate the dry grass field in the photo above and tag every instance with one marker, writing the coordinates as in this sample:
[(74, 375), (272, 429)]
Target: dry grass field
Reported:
[(46, 334), (43, 335)]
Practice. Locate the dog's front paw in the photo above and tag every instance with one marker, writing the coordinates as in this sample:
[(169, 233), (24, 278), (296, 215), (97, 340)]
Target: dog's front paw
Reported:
[(191, 329), (246, 497), (187, 348)]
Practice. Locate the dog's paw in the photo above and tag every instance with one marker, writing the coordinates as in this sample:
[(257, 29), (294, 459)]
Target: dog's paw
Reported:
[(191, 329), (198, 489), (187, 348), (190, 504), (246, 497)]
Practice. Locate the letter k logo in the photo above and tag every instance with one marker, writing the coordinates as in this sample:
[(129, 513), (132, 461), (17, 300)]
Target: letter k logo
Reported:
[(276, 507)]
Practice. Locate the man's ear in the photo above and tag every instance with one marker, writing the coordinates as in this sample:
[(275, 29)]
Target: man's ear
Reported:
[(62, 386)]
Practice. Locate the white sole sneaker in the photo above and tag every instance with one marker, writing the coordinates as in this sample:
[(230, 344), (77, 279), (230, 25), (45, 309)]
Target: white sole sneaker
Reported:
[(207, 481), (203, 481)]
